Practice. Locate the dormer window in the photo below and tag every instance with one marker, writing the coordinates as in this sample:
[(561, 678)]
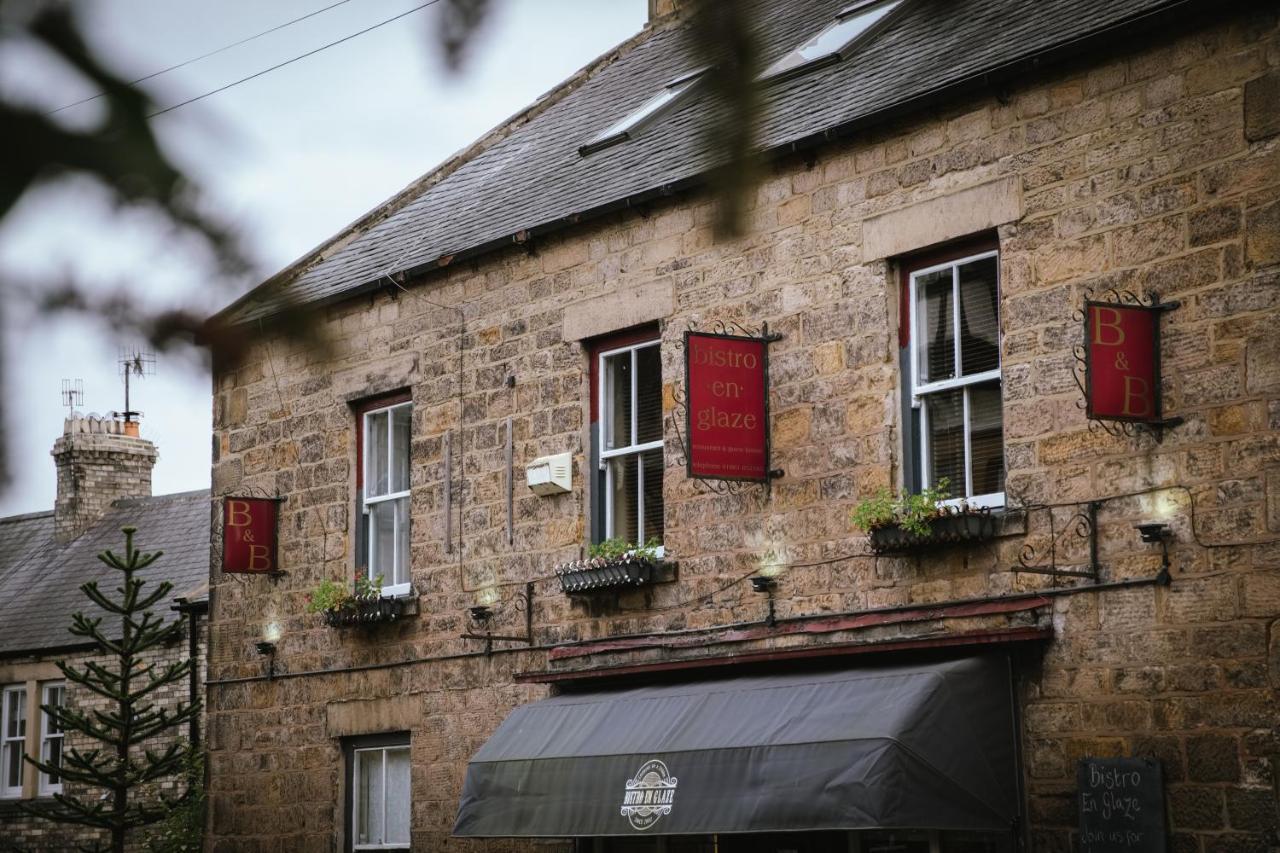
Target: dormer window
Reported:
[(624, 129), (852, 25)]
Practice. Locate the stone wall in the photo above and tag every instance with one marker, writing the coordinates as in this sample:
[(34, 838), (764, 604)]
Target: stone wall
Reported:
[(1152, 172)]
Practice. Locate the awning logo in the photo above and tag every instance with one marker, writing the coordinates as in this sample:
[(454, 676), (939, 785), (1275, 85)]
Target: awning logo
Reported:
[(649, 795)]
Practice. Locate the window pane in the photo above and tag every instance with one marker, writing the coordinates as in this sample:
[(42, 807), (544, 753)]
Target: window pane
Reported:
[(617, 400), (979, 317), (52, 754), (382, 531), (397, 829), (401, 418), (16, 713), (369, 791), (402, 542), (53, 696), (375, 454), (652, 496), (648, 395), (622, 497), (986, 437), (938, 356), (13, 764), (945, 413)]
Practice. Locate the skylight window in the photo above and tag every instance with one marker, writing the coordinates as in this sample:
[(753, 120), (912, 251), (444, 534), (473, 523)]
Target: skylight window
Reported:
[(623, 129), (852, 25)]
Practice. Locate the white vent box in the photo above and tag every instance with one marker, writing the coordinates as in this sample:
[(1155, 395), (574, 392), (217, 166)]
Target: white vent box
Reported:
[(550, 475)]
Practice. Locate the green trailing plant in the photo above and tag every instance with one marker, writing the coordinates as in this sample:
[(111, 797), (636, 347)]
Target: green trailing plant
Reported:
[(616, 549), (911, 512), (128, 758), (332, 595)]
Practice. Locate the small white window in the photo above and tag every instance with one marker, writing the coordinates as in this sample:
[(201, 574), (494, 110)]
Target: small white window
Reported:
[(852, 24), (54, 695), (955, 377), (386, 495), (380, 804), (13, 737), (630, 404), (622, 130)]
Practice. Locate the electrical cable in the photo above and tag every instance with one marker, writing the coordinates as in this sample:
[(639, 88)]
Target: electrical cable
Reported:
[(195, 59), (291, 60)]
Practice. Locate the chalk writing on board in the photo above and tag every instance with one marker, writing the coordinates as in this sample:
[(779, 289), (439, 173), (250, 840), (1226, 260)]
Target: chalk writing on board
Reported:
[(1121, 805)]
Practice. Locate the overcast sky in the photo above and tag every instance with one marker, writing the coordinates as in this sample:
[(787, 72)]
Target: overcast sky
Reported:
[(289, 158)]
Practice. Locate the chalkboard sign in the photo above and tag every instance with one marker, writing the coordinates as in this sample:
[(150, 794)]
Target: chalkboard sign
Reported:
[(1121, 805)]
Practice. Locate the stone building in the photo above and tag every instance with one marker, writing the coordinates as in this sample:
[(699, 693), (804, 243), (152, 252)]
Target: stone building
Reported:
[(777, 670), (104, 484)]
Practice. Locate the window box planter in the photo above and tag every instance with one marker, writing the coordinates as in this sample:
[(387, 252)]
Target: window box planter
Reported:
[(586, 576), (368, 610), (962, 526)]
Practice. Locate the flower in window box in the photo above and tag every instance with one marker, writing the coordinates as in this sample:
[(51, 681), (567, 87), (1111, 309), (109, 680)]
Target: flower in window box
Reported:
[(361, 604), (906, 522), (610, 564)]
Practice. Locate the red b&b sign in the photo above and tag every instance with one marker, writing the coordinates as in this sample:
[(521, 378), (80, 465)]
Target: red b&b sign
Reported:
[(1123, 367), (249, 535), (728, 416)]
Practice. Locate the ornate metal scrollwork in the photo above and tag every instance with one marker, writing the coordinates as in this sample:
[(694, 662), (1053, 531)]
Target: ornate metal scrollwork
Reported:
[(1081, 525)]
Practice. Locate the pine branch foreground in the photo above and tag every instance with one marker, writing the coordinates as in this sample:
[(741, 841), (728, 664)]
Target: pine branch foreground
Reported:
[(122, 764)]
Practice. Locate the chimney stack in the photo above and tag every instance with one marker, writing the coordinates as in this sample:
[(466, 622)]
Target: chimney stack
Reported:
[(662, 9), (99, 460)]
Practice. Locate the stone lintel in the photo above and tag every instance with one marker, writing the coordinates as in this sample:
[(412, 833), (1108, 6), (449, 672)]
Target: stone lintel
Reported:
[(619, 310), (958, 214), (372, 716)]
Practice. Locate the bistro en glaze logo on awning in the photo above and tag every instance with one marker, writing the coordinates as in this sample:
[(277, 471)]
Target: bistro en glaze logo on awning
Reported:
[(649, 795)]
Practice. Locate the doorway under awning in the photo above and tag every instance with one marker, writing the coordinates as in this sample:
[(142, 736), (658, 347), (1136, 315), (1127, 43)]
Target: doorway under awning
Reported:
[(927, 746)]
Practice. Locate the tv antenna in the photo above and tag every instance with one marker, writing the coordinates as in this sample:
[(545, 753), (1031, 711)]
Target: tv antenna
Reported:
[(72, 395), (134, 363)]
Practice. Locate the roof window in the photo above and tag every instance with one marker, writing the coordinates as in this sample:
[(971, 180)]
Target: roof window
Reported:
[(852, 25), (623, 129)]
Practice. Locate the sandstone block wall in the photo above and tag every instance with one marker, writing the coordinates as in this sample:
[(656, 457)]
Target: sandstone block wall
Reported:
[(1145, 172)]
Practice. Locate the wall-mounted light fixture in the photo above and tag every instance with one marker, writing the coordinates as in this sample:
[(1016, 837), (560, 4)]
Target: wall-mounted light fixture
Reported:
[(1158, 533), (482, 615), (765, 584), (268, 649)]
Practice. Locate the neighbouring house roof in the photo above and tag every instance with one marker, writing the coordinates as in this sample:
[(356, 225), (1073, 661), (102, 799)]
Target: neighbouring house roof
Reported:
[(40, 589), (530, 178)]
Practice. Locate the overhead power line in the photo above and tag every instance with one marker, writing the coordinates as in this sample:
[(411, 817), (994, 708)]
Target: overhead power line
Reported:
[(194, 59), (292, 60)]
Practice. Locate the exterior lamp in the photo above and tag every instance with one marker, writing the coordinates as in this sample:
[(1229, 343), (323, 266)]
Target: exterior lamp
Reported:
[(1153, 533), (268, 648), (481, 614), (762, 583)]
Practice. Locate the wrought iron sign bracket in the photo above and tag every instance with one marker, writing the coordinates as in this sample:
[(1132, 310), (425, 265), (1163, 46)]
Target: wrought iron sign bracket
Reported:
[(1083, 524), (1121, 423)]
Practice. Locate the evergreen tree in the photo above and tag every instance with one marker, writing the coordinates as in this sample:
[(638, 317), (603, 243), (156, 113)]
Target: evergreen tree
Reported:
[(123, 763)]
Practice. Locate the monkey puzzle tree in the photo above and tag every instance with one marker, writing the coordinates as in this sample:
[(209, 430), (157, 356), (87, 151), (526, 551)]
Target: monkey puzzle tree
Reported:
[(126, 725)]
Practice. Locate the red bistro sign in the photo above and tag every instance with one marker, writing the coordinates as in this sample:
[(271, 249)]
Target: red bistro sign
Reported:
[(727, 377), (249, 535), (1123, 366)]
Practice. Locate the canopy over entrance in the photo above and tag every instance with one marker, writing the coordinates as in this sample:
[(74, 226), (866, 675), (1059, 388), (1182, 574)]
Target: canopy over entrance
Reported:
[(930, 746)]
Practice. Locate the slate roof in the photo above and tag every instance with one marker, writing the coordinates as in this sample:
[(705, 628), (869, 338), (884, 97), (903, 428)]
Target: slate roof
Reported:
[(533, 179), (40, 590)]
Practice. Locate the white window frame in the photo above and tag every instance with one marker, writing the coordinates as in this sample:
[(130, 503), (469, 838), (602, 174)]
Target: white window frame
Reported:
[(400, 561), (648, 112), (919, 390), (794, 62), (605, 410), (48, 788), (356, 757), (7, 791)]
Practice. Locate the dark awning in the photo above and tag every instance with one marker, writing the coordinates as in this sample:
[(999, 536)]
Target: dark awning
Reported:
[(928, 746)]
